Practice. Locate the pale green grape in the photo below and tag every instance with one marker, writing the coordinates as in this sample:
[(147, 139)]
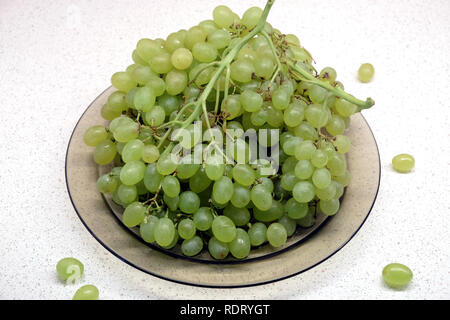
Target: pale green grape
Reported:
[(337, 164), (222, 190), (107, 183), (189, 202), (122, 81), (201, 73), (244, 174), (126, 132), (181, 58), (164, 232), (294, 114), (292, 40), (132, 172), (142, 74), (223, 229), (69, 268), (329, 207), (242, 70), (317, 94), (336, 125), (397, 275), (134, 214), (240, 216), (214, 167), (173, 42), (266, 183), (259, 117), (290, 146), (219, 39), (161, 62), (94, 135), (86, 292), (155, 117), (147, 48), (251, 101), (150, 153), (191, 247), (169, 103), (403, 163), (218, 249), (274, 117), (319, 158), (339, 187), (240, 246), (232, 106), (105, 152), (194, 35), (171, 186), (117, 101), (306, 131), (223, 16), (257, 234), (199, 181), (327, 193), (251, 17), (157, 85), (173, 243), (264, 67), (342, 143), (276, 234), (345, 108), (273, 213), (147, 229), (295, 210), (167, 163), (144, 99), (176, 82), (366, 72), (187, 168), (108, 113), (241, 196), (152, 178), (204, 52), (328, 74), (203, 219), (321, 178), (172, 203), (281, 98), (304, 169), (261, 198), (186, 229), (288, 180), (132, 150), (316, 116), (303, 191), (208, 26), (289, 165), (289, 224)]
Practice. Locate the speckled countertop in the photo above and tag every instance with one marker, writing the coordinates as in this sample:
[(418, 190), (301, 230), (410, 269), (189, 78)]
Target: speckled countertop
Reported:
[(57, 56)]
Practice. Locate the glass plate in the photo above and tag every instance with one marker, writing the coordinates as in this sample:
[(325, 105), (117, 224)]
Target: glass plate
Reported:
[(304, 250)]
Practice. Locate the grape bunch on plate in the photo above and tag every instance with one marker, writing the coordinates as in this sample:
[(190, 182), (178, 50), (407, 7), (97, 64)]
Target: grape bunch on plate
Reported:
[(224, 136)]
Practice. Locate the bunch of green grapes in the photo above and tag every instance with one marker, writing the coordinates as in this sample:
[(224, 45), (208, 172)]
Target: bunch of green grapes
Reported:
[(230, 74)]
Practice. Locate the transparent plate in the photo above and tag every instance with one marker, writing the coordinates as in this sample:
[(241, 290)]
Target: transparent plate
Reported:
[(304, 250)]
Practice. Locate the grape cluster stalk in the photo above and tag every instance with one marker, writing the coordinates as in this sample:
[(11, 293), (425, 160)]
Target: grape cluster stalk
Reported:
[(179, 120)]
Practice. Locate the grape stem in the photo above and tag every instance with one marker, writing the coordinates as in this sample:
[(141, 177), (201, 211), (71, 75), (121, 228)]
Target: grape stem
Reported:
[(306, 76)]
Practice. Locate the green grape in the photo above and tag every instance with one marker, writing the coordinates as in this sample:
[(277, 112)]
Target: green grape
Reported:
[(167, 163), (122, 81), (191, 93), (223, 16), (144, 99), (132, 172), (291, 144), (182, 58), (116, 171), (294, 114), (223, 229), (129, 98), (157, 85), (169, 103), (131, 68), (107, 183), (241, 196), (317, 94), (176, 82), (244, 174), (132, 150), (147, 49), (264, 67), (292, 40), (251, 17), (257, 234), (141, 189), (345, 108), (203, 219), (261, 198), (242, 70), (218, 249), (266, 183), (232, 106), (219, 39), (339, 187), (403, 163), (304, 169), (152, 178), (204, 52), (191, 247), (199, 181), (321, 178), (194, 35), (147, 229), (240, 246), (327, 193), (189, 202), (397, 275), (309, 220), (316, 116), (336, 125), (281, 98), (276, 234), (295, 210), (86, 292), (366, 72), (69, 269), (171, 186), (186, 229), (303, 191), (119, 121), (108, 113), (337, 164), (142, 74), (201, 73), (328, 74), (94, 135), (342, 144), (173, 42), (273, 213), (105, 152), (289, 165), (246, 52), (288, 180), (259, 117), (240, 216), (251, 101), (274, 117), (164, 232), (156, 116), (306, 131), (329, 207), (172, 203), (222, 190), (319, 158), (161, 62), (208, 26), (187, 168), (173, 243), (126, 132), (289, 224), (134, 214), (214, 167)]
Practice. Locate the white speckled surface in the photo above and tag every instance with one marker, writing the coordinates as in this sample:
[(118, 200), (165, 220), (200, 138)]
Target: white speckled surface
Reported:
[(57, 56)]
